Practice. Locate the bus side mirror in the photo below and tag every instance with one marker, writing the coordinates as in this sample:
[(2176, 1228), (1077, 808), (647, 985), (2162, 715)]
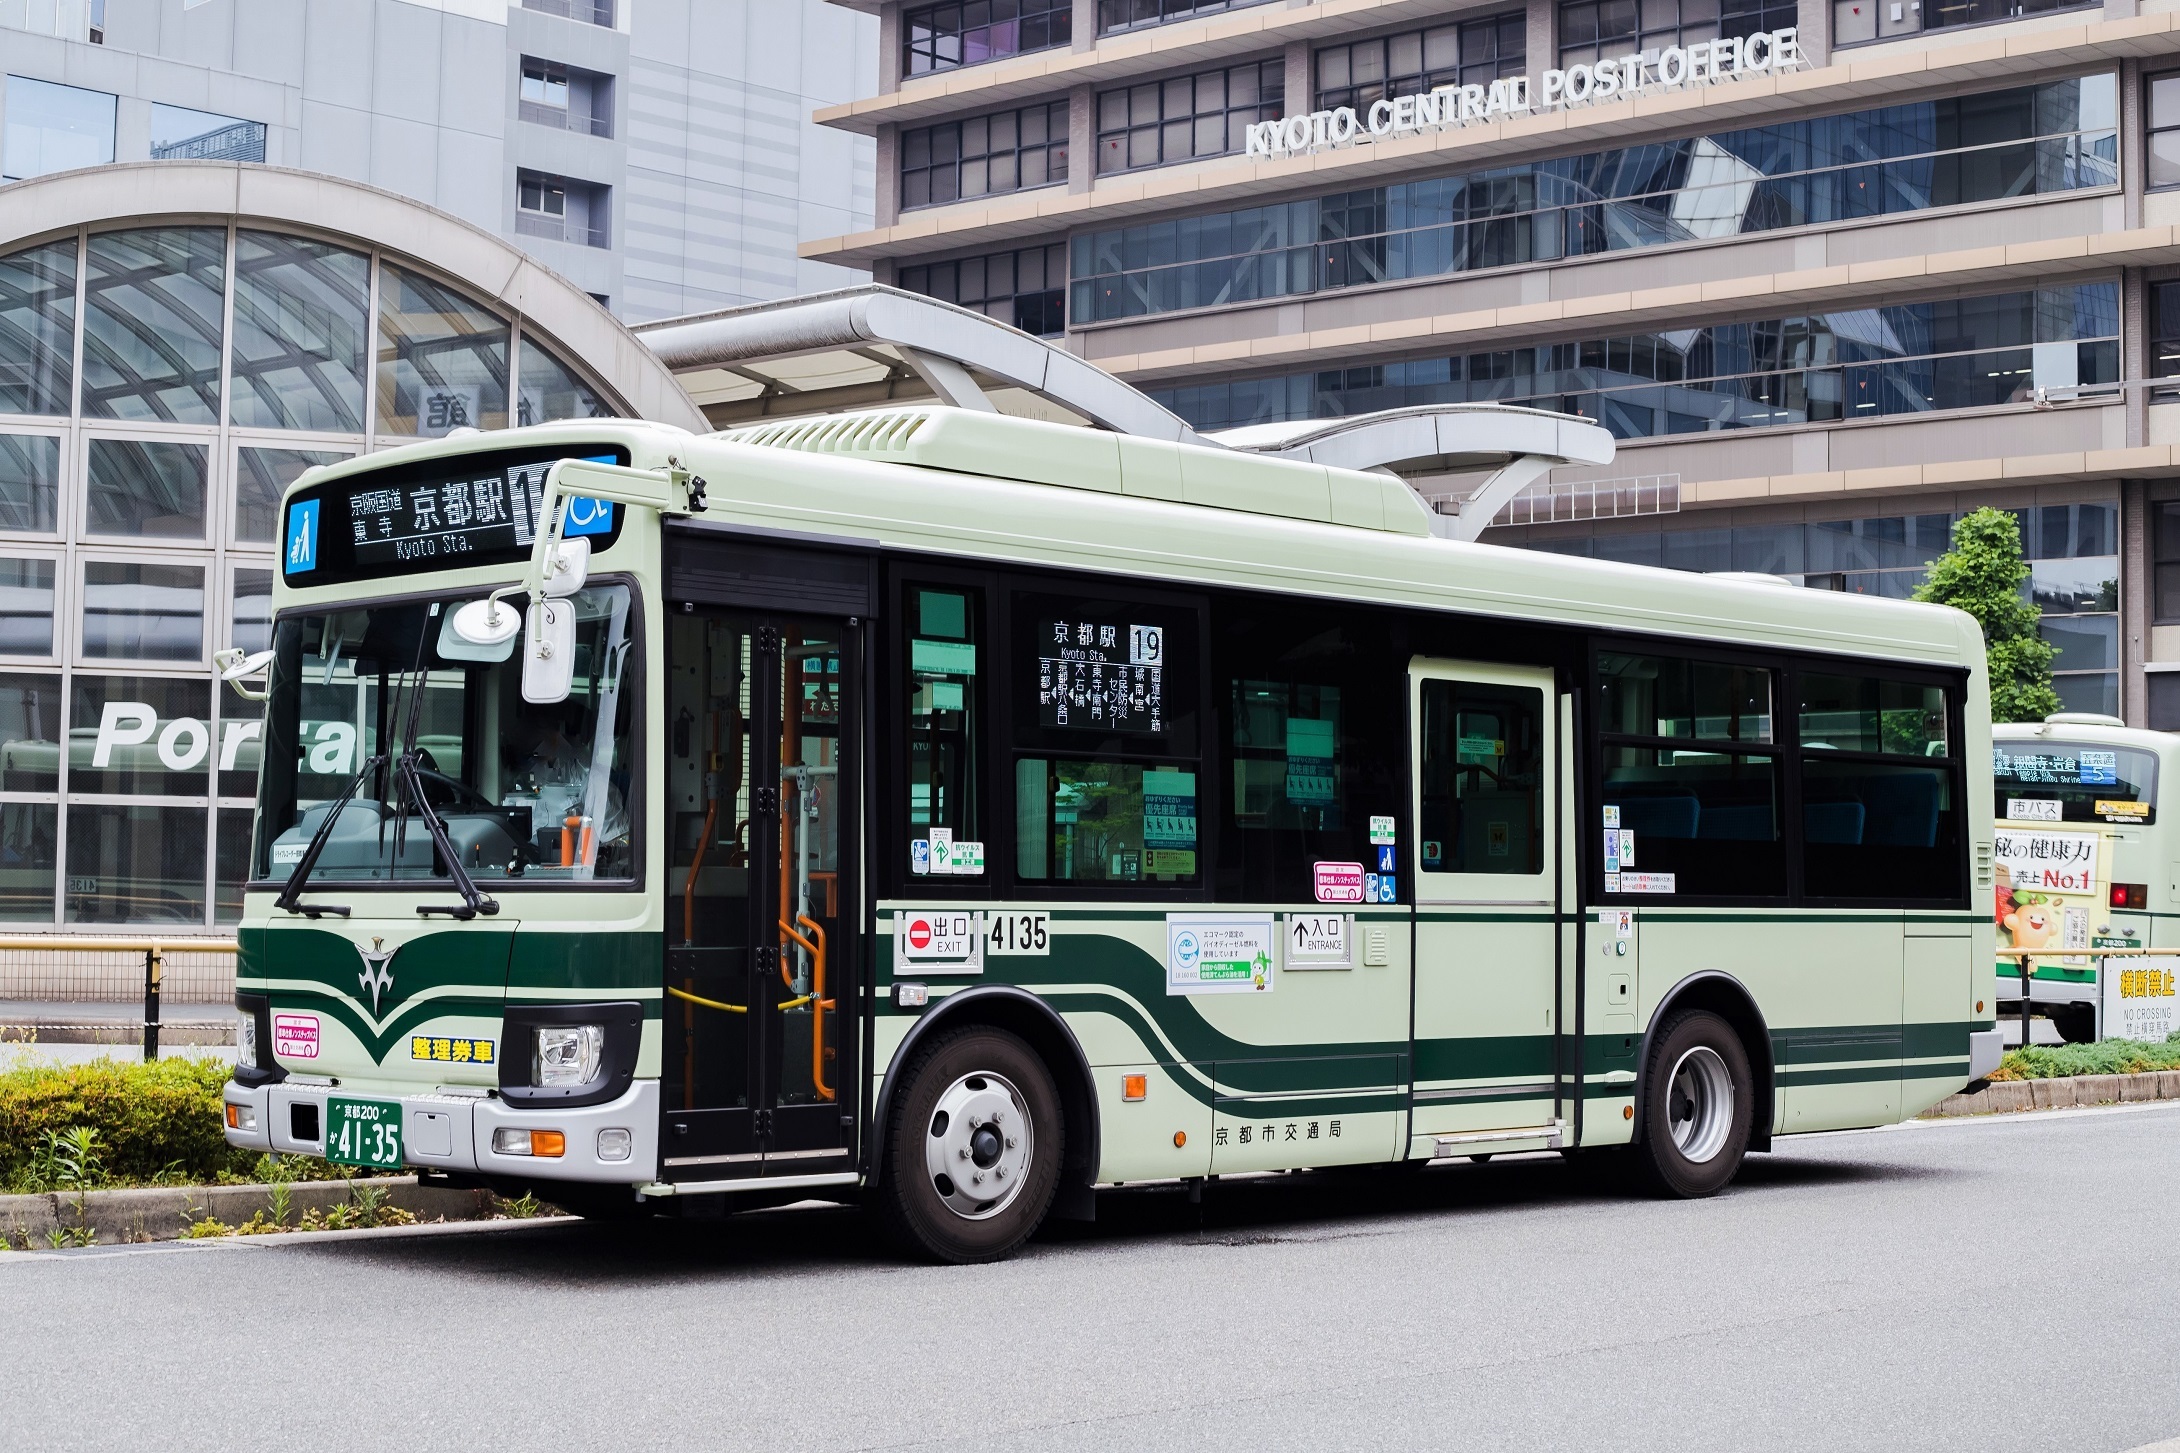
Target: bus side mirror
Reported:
[(548, 652), (234, 666)]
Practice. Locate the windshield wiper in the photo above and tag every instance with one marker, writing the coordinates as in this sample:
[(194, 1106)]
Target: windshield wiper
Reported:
[(473, 901), (290, 899)]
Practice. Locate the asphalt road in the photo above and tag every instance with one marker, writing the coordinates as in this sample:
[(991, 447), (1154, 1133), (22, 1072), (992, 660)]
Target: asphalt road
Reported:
[(2009, 1284)]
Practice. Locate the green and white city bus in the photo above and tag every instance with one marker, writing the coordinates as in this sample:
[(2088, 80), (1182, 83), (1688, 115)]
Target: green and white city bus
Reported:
[(962, 813), (2084, 862)]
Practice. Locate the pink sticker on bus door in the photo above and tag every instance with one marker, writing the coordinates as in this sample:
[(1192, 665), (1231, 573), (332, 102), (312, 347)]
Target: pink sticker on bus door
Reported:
[(295, 1036), (1339, 882)]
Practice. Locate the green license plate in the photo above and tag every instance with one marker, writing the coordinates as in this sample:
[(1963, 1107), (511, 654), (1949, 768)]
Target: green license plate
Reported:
[(363, 1132)]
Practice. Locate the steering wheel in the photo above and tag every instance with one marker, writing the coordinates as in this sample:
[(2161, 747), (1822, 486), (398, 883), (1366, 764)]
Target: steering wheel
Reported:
[(453, 794)]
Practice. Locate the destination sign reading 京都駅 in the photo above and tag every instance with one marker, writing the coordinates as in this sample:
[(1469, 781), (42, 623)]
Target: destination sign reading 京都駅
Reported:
[(1638, 73), (439, 521)]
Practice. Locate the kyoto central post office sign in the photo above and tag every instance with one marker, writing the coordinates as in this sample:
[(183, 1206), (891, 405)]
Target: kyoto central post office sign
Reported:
[(1702, 63)]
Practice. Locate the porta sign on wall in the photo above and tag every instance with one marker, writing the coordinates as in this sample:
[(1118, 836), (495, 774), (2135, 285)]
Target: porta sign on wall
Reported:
[(1450, 106)]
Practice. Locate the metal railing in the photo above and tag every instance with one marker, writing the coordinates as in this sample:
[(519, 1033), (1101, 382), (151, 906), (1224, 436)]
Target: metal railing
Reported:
[(562, 118), (1596, 499), (154, 951), (591, 12), (560, 229)]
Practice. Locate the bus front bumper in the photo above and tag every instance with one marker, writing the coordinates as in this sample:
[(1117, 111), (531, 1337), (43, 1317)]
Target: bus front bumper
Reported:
[(453, 1129)]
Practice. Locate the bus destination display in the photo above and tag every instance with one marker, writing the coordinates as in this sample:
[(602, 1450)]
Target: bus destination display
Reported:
[(1101, 675), (496, 511), (491, 511)]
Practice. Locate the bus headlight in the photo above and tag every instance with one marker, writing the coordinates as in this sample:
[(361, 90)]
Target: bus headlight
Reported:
[(568, 1054), (246, 1041)]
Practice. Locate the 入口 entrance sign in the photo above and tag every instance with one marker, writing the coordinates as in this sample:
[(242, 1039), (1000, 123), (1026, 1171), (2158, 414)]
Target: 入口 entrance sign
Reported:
[(1702, 63)]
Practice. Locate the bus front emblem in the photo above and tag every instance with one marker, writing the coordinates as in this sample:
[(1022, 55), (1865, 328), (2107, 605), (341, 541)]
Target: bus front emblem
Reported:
[(376, 977)]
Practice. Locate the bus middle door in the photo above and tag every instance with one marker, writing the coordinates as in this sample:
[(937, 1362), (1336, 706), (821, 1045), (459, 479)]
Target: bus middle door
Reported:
[(1484, 744)]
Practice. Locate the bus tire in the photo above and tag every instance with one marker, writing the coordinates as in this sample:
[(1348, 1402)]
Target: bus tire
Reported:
[(974, 1145), (1698, 1101)]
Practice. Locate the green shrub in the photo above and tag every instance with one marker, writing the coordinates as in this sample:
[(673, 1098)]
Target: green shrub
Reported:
[(157, 1123), (2105, 1057)]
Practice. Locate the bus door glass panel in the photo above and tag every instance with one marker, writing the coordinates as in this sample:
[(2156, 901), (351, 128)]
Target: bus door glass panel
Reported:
[(755, 710), (1486, 827), (1308, 719)]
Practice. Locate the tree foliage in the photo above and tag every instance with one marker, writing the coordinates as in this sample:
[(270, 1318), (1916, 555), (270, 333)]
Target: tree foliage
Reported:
[(1982, 574)]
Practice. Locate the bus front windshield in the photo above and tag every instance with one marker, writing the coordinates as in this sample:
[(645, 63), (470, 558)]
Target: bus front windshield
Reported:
[(524, 791)]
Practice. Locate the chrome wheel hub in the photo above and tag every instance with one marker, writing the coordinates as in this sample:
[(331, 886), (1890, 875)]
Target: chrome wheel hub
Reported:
[(1699, 1103), (978, 1146)]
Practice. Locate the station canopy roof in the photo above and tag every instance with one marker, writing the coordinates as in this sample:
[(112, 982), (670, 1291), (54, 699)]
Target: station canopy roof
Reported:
[(871, 345)]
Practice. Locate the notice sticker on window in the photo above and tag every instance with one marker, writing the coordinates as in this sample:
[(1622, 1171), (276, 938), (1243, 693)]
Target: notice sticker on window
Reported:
[(1338, 882), (2122, 809), (1612, 816), (1381, 831), (1644, 883), (2036, 809)]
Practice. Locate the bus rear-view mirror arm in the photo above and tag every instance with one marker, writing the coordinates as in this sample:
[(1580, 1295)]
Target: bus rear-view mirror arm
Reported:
[(559, 567), (234, 666)]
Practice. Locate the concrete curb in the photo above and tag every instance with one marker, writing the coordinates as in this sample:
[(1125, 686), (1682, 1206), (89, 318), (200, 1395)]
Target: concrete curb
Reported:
[(161, 1213), (2009, 1096)]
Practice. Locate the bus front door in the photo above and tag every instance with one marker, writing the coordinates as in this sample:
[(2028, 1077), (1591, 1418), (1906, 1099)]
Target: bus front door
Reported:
[(759, 1008)]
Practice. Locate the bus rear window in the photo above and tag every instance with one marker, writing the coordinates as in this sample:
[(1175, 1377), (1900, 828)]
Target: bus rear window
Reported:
[(2050, 781)]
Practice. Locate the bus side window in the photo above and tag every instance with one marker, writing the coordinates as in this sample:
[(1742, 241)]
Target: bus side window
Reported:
[(1880, 797), (945, 731), (1312, 729), (1104, 695)]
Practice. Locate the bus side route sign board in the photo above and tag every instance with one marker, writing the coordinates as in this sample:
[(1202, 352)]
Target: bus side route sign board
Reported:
[(1220, 953), (938, 941)]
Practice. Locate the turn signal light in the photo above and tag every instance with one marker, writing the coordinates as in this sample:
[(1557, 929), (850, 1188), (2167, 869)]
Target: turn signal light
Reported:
[(1134, 1087), (2131, 895), (550, 1144), (241, 1117)]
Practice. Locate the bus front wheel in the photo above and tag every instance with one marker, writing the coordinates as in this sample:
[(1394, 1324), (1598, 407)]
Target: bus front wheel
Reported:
[(973, 1149), (1698, 1100)]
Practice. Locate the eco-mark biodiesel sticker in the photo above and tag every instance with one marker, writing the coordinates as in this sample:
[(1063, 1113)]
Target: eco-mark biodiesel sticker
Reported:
[(1220, 953)]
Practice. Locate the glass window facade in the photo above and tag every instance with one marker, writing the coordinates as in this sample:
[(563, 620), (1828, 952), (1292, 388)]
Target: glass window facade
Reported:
[(1009, 151), (151, 336), (1862, 363), (1595, 30), (971, 32), (302, 324), (2164, 324), (1857, 22), (1133, 14), (2161, 156), (54, 128), (137, 521), (2072, 550), (1186, 117), (1026, 288), (2028, 141), (180, 134), (1474, 52), (38, 329)]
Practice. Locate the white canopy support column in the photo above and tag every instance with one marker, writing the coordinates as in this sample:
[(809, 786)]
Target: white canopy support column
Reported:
[(1492, 451)]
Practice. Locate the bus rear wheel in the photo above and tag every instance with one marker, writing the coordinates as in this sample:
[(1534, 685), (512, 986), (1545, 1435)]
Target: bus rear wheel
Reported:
[(973, 1149), (1698, 1100)]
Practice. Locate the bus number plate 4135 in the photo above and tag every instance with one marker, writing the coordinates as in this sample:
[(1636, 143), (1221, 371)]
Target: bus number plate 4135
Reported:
[(363, 1132)]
